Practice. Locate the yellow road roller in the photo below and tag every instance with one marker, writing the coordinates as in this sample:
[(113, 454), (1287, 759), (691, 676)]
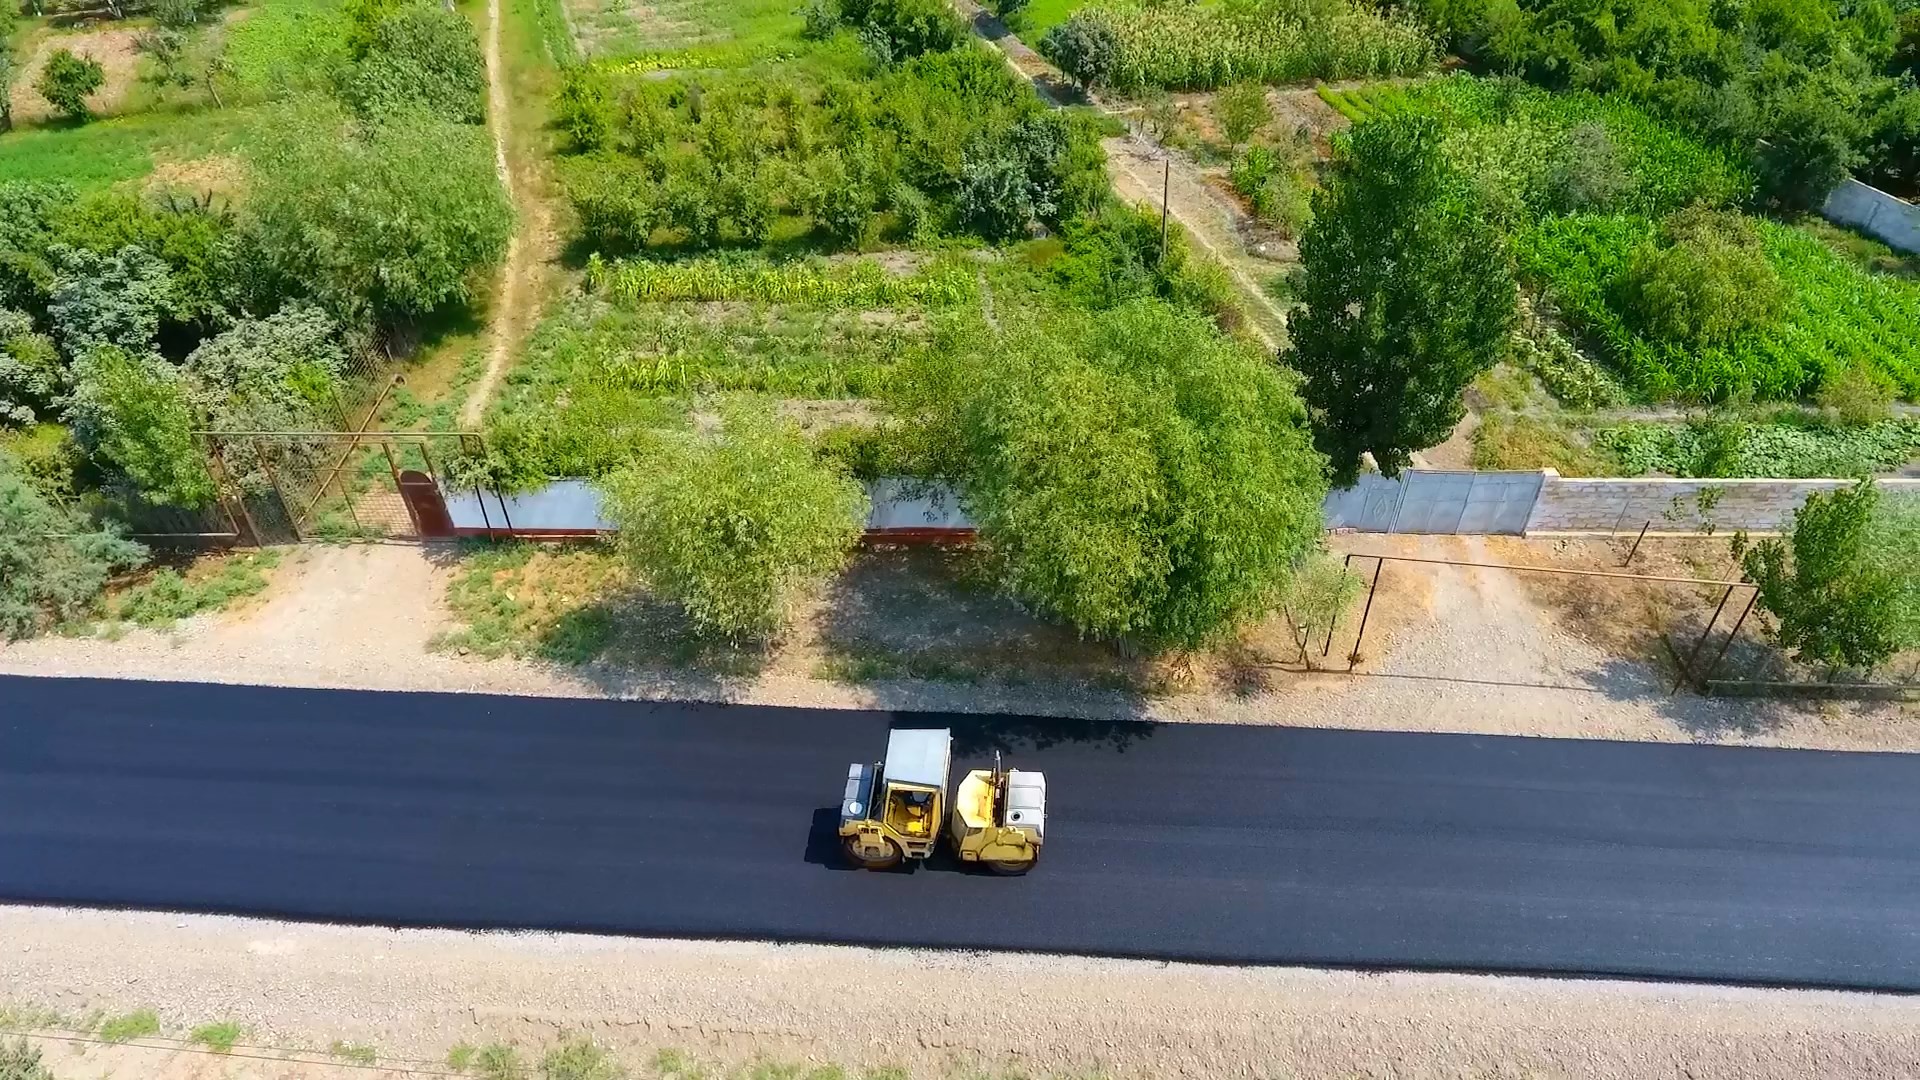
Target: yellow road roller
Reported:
[(893, 810)]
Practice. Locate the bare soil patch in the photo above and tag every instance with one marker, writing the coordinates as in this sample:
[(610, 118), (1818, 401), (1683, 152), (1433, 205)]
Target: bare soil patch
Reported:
[(115, 50), (221, 176)]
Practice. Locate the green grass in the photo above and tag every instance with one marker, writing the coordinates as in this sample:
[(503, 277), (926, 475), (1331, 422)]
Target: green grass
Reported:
[(357, 1053), (169, 595), (109, 151), (1032, 22), (698, 33), (133, 1025), (218, 1038), (534, 601), (286, 46)]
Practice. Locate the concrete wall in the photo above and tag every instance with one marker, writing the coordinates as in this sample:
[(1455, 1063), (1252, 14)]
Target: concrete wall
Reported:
[(1893, 221), (1608, 505)]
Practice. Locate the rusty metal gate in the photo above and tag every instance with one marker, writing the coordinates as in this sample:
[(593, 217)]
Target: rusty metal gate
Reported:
[(289, 486)]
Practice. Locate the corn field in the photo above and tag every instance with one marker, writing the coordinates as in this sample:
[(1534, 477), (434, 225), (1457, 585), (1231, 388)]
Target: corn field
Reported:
[(862, 284), (1190, 47)]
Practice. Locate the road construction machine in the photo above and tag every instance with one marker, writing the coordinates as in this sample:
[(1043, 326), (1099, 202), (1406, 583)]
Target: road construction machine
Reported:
[(893, 810)]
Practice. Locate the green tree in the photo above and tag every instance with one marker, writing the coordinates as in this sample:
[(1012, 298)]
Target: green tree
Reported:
[(422, 57), (132, 413), (53, 565), (68, 80), (1409, 294), (1085, 47), (1835, 606), (738, 527), (1132, 472), (389, 221), (1242, 111)]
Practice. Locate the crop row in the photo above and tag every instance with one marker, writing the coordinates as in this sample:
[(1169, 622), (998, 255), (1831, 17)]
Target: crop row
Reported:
[(1836, 314), (1194, 47), (859, 284), (1365, 102)]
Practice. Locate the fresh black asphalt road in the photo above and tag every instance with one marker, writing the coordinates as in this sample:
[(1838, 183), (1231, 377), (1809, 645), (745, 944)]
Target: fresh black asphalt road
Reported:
[(1218, 843)]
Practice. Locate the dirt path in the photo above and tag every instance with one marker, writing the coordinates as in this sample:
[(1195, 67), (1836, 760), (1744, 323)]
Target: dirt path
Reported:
[(1141, 169), (509, 302), (408, 996)]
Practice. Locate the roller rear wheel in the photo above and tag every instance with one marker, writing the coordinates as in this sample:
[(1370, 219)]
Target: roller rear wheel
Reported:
[(1011, 869), (894, 857)]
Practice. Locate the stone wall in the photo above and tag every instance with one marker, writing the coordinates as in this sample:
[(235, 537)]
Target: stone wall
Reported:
[(1893, 221), (1677, 506)]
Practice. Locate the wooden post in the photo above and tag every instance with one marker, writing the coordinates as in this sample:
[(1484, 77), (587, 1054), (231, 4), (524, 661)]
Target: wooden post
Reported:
[(1354, 656), (1687, 668)]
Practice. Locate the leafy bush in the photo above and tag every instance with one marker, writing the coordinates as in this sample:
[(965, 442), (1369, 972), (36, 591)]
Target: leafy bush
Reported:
[(903, 29), (1834, 605), (1112, 257), (1242, 111), (31, 375), (68, 80), (390, 221), (108, 301), (1834, 314), (1408, 296), (281, 373), (1200, 47), (132, 412), (1132, 472), (19, 1060), (1277, 182), (1857, 395), (423, 57), (1704, 282), (1893, 535), (738, 528), (52, 568)]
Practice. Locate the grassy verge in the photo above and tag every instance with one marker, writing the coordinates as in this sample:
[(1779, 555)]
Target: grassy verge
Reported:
[(207, 584)]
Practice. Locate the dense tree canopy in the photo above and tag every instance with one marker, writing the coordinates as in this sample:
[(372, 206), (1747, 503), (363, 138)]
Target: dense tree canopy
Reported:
[(1809, 88), (1408, 295), (1132, 471), (389, 220)]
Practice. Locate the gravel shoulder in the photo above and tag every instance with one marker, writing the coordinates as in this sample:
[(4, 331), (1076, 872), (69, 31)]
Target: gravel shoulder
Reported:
[(411, 995)]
